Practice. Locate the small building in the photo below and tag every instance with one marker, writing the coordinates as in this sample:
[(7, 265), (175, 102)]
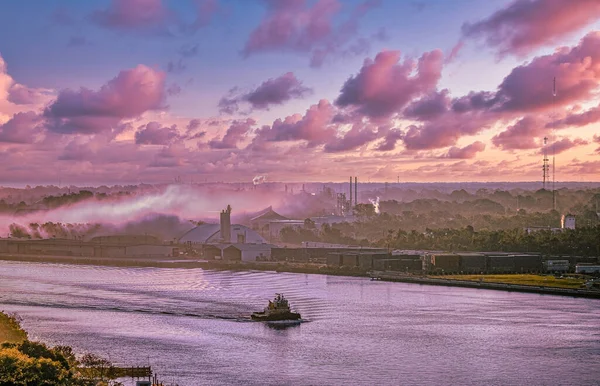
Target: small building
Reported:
[(556, 265), (273, 228), (567, 221), (247, 252), (587, 269), (266, 216)]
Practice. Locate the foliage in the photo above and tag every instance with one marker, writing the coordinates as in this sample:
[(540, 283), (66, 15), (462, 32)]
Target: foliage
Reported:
[(10, 329), (29, 363)]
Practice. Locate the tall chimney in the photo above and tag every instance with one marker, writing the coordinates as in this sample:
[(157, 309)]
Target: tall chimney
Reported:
[(226, 224), (355, 191), (350, 192)]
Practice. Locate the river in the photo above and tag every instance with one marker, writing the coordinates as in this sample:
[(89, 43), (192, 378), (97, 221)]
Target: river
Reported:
[(192, 326)]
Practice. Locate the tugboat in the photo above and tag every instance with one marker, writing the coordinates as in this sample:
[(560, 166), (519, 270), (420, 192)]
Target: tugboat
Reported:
[(278, 310)]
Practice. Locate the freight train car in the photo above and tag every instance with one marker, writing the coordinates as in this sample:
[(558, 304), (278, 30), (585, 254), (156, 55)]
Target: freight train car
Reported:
[(527, 263), (500, 263), (587, 269), (472, 262), (444, 262)]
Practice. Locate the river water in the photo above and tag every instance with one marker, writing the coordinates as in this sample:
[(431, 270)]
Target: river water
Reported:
[(192, 326)]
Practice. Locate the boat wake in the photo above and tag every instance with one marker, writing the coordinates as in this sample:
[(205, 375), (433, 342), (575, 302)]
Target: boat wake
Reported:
[(234, 318)]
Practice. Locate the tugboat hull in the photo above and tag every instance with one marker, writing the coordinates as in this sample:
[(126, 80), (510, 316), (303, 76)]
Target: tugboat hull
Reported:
[(263, 317)]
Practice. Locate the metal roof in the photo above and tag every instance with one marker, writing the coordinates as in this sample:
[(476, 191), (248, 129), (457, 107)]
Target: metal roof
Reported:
[(201, 234)]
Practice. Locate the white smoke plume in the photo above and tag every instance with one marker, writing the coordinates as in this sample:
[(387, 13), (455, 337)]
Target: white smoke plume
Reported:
[(259, 180), (375, 203)]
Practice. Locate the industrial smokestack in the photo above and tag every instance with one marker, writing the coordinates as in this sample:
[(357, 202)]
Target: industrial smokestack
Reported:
[(350, 192), (355, 191), (226, 224)]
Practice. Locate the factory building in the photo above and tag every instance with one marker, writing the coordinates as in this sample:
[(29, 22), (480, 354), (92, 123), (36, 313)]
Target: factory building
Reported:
[(228, 242), (224, 232)]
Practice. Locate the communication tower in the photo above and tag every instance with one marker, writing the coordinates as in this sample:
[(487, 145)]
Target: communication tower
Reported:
[(553, 151), (545, 166)]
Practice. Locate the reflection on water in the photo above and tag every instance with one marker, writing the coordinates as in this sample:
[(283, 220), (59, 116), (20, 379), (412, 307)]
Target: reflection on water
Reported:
[(194, 327)]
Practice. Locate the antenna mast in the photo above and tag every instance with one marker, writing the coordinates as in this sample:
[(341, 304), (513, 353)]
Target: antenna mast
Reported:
[(545, 165), (553, 150)]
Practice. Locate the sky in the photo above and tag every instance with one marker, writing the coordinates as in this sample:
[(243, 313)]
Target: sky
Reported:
[(157, 91)]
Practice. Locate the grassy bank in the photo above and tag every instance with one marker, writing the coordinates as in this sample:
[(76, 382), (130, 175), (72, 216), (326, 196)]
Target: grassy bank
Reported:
[(520, 279), (10, 329)]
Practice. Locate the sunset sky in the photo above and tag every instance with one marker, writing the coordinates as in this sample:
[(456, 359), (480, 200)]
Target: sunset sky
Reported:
[(130, 91)]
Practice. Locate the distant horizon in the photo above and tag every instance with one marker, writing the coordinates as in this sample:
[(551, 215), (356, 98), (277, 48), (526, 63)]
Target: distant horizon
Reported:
[(249, 183)]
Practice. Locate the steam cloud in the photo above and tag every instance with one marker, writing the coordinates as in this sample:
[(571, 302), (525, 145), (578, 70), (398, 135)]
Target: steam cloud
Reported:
[(167, 213), (259, 180), (375, 203)]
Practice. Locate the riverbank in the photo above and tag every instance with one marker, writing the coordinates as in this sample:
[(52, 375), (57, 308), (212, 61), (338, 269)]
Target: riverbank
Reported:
[(493, 282), (10, 329), (188, 263), (582, 293)]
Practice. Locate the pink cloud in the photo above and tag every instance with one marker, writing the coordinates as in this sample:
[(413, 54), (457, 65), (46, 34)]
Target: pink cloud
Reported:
[(429, 107), (446, 129), (274, 91), (193, 125), (169, 157), (582, 119), (390, 139), (152, 16), (290, 25), (18, 98), (133, 14), (384, 86), (525, 25), (130, 94), (577, 70), (22, 95), (21, 128), (526, 91), (293, 25), (357, 136), (236, 133), (562, 145), (577, 167), (314, 127), (277, 91), (467, 152), (454, 52), (521, 135), (153, 134)]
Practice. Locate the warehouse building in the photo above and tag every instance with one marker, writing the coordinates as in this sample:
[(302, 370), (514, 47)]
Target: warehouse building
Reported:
[(65, 247)]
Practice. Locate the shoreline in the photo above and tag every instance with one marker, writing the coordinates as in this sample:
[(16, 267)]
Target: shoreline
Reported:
[(301, 268)]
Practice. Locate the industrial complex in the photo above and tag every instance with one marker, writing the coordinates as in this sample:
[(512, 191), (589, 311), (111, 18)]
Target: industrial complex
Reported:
[(250, 243)]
